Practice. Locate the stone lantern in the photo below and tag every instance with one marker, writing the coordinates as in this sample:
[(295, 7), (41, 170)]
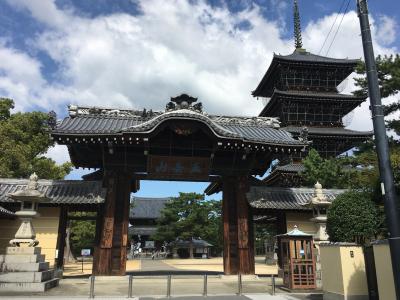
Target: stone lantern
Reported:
[(24, 269), (319, 204), (29, 198)]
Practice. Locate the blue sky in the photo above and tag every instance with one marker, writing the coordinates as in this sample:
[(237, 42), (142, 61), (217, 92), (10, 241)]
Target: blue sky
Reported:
[(136, 54)]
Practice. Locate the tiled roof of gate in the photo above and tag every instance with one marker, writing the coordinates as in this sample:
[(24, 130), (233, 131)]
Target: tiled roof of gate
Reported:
[(118, 122), (278, 198), (59, 191), (147, 208)]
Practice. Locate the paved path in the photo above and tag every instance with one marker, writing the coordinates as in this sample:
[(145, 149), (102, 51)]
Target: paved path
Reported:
[(155, 265)]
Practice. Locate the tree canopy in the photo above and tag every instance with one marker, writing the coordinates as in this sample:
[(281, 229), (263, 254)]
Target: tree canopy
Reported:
[(353, 217), (388, 68), (24, 139), (82, 232), (190, 216)]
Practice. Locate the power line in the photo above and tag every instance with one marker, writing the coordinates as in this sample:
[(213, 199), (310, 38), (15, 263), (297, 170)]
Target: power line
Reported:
[(334, 37), (333, 24)]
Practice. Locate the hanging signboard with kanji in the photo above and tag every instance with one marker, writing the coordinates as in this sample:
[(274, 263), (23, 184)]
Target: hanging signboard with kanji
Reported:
[(178, 167)]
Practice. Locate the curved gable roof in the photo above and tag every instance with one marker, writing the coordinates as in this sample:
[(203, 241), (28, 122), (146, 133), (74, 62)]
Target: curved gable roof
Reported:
[(245, 129)]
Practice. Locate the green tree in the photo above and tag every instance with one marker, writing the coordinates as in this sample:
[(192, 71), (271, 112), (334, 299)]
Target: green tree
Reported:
[(24, 139), (82, 233), (328, 172), (388, 68), (189, 215), (353, 217)]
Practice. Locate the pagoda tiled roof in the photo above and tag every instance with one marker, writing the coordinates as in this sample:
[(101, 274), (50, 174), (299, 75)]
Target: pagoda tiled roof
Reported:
[(321, 95), (304, 58), (293, 169), (108, 122), (216, 186), (277, 198), (307, 57), (290, 168), (313, 96), (59, 191), (330, 131)]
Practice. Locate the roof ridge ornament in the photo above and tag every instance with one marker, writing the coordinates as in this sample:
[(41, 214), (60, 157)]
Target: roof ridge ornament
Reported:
[(271, 122), (297, 28), (303, 136), (184, 101)]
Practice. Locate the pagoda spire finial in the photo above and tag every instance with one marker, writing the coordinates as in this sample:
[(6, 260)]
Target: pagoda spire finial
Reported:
[(297, 27)]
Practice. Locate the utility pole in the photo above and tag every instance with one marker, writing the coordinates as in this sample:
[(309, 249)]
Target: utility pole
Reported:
[(382, 147)]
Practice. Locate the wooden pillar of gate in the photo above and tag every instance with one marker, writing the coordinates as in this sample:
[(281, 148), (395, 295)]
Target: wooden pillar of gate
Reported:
[(238, 227), (112, 238), (62, 232)]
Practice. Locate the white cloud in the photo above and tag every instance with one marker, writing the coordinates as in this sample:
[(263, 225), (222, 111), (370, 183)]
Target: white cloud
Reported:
[(44, 11), (387, 30), (177, 46), (20, 76), (59, 153)]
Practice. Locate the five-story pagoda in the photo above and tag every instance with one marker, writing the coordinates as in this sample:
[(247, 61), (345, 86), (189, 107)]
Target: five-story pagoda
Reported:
[(302, 90)]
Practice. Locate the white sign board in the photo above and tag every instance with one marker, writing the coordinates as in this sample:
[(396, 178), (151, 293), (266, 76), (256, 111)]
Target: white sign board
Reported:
[(149, 244), (85, 252)]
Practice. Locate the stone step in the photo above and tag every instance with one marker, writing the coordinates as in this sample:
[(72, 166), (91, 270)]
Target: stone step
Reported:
[(25, 267), (21, 258), (28, 286), (27, 276), (23, 250)]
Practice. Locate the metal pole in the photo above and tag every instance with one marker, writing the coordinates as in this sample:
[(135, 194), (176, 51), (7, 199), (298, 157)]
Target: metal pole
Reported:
[(205, 282), (169, 286), (91, 292), (382, 146), (239, 284), (272, 285), (130, 286)]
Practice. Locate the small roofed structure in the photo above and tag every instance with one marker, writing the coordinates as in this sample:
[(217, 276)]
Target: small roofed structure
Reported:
[(297, 261), (191, 248)]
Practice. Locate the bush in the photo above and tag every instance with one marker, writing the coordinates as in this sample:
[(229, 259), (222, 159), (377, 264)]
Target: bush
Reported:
[(352, 217)]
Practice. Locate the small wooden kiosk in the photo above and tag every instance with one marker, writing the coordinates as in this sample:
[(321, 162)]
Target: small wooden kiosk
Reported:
[(297, 259)]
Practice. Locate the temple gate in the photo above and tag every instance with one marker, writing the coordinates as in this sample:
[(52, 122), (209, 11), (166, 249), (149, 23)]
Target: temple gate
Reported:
[(182, 143)]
